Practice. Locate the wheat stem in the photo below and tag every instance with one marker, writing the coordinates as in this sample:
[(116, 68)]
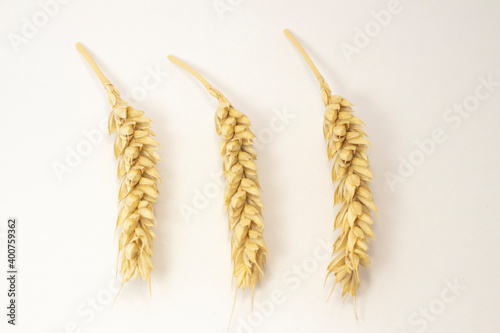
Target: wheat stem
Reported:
[(304, 54), (347, 146), (104, 80), (242, 192), (135, 150), (190, 70)]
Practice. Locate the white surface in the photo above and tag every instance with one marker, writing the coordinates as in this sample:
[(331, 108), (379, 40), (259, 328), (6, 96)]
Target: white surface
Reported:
[(439, 225)]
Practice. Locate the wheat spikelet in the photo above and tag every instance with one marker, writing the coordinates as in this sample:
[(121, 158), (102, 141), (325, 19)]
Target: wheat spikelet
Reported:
[(137, 157), (241, 194), (347, 147)]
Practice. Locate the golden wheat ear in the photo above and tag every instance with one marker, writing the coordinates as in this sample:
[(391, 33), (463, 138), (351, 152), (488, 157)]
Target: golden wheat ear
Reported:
[(347, 146), (135, 150), (241, 195)]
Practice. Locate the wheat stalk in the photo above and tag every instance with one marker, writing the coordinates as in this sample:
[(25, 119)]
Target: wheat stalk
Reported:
[(347, 147), (241, 194), (137, 157)]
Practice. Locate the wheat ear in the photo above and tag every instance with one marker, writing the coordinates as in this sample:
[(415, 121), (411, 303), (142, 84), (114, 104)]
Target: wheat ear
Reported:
[(241, 194), (347, 147), (137, 157)]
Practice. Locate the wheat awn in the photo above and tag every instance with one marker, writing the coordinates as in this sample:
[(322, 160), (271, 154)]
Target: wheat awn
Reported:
[(347, 146), (242, 198), (135, 150)]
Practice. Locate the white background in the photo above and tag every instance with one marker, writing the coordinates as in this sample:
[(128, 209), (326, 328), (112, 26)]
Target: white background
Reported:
[(438, 221)]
